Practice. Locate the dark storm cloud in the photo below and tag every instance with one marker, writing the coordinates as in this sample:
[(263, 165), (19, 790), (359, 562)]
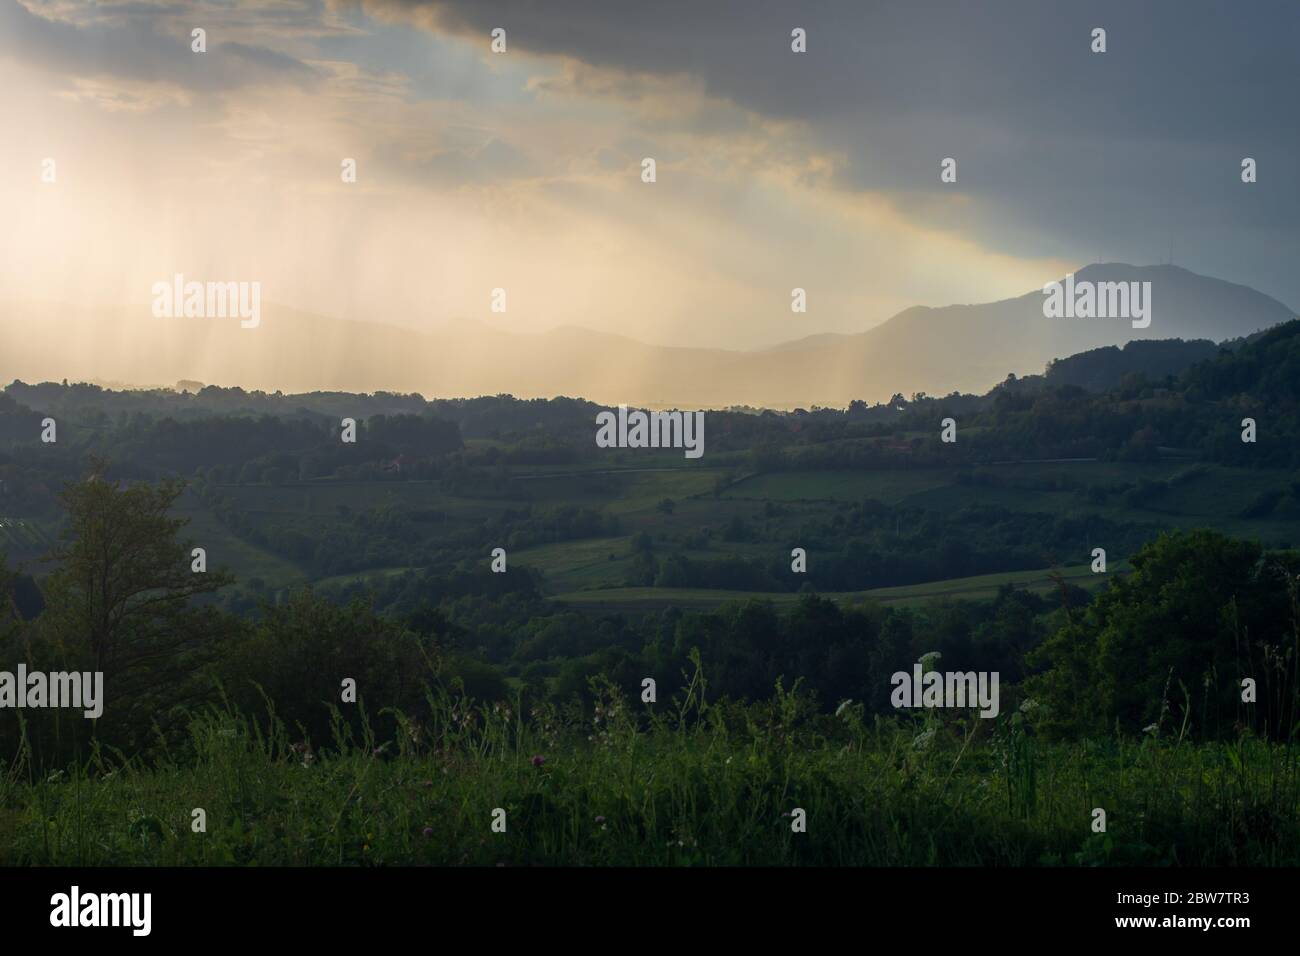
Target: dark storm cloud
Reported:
[(1132, 154), (126, 42)]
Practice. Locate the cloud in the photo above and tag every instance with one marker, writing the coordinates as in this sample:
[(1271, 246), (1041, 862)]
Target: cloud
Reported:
[(776, 170), (493, 162), (1133, 153), (266, 62), (124, 96), (138, 44)]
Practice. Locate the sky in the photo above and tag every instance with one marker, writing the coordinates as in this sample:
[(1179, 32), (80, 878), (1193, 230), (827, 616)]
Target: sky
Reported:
[(522, 170)]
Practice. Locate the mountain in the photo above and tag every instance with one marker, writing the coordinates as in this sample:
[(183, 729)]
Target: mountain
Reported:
[(969, 347), (965, 348)]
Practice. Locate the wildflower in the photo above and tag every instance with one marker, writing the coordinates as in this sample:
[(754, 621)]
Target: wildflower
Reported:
[(538, 760), (1150, 728), (922, 740), (600, 819), (427, 832), (843, 706)]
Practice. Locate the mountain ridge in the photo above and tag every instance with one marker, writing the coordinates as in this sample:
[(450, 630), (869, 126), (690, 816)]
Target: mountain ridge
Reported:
[(933, 349)]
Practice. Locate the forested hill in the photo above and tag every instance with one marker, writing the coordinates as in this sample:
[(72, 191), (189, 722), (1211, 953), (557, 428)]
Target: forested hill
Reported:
[(1102, 369), (405, 519), (1104, 403)]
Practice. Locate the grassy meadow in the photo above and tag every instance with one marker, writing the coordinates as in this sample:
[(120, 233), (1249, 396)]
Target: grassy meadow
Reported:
[(684, 782)]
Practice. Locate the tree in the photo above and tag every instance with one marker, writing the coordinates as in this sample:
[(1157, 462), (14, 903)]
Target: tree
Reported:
[(1171, 641), (300, 650), (11, 617), (120, 598)]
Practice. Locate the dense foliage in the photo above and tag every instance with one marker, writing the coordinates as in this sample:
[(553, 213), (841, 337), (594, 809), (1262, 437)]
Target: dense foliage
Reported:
[(374, 562)]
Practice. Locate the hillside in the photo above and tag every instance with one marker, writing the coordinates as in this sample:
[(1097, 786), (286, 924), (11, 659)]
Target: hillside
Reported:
[(966, 348)]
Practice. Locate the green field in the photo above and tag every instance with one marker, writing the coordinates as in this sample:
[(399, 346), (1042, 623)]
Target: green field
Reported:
[(574, 565), (226, 549), (593, 572), (622, 492), (890, 487), (1215, 496), (369, 575), (778, 508), (980, 587), (21, 536)]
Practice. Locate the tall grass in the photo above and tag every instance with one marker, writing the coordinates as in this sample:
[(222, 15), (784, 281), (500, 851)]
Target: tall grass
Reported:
[(681, 782)]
